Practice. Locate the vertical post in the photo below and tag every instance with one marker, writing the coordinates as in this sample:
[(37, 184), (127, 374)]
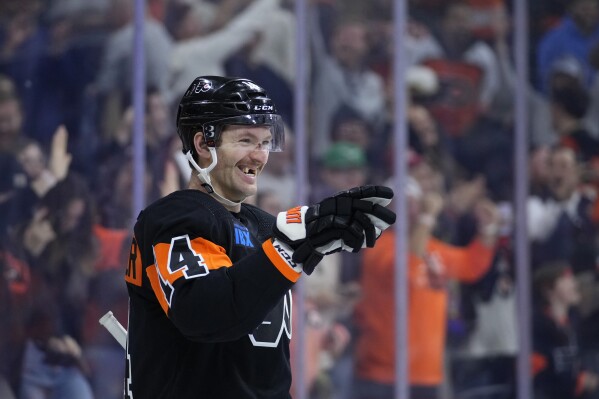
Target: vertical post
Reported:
[(139, 94), (521, 194), (401, 228), (301, 166)]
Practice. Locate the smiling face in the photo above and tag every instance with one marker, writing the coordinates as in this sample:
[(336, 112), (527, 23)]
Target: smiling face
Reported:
[(242, 154)]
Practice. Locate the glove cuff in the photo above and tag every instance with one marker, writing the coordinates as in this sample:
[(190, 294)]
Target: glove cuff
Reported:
[(281, 255)]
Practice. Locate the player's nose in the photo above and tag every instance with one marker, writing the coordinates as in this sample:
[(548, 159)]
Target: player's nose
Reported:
[(259, 155)]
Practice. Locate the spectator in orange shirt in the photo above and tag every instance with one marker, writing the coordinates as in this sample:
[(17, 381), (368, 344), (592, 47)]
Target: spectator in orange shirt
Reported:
[(431, 263)]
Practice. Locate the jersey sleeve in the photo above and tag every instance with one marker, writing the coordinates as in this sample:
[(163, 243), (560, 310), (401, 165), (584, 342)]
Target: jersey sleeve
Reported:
[(188, 270)]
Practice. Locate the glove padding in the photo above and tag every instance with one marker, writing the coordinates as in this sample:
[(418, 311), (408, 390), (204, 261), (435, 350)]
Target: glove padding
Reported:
[(349, 220)]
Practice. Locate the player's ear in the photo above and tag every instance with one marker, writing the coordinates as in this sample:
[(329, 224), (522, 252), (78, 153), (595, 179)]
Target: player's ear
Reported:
[(200, 145)]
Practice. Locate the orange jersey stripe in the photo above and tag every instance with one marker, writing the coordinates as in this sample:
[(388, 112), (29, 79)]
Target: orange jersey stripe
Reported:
[(213, 256), (133, 274), (155, 283), (279, 263)]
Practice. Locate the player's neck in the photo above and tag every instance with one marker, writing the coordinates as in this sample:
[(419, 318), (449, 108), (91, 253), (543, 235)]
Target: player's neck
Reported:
[(196, 184)]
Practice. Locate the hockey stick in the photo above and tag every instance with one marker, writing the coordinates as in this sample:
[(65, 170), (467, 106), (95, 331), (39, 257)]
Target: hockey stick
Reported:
[(115, 328)]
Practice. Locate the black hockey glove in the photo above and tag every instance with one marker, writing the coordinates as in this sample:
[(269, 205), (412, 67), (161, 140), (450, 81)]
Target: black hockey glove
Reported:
[(349, 220)]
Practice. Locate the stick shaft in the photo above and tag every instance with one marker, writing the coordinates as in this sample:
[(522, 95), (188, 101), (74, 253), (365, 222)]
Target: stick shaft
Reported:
[(115, 328)]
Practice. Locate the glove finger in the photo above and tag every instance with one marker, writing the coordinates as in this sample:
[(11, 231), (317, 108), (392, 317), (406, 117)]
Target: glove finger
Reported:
[(327, 223), (313, 213), (368, 191), (362, 205), (351, 234), (378, 223), (308, 256), (345, 203), (367, 206), (303, 252), (341, 206), (331, 247), (344, 206), (380, 195), (382, 224), (385, 215), (377, 234), (358, 244), (368, 228), (312, 262), (378, 200), (319, 225)]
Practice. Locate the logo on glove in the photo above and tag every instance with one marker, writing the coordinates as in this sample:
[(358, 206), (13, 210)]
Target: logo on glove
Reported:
[(285, 255), (294, 215)]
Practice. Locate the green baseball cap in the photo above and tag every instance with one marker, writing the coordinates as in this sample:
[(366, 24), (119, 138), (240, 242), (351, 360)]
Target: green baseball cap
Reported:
[(344, 155)]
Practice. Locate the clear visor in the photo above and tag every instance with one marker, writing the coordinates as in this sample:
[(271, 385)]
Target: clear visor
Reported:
[(272, 121)]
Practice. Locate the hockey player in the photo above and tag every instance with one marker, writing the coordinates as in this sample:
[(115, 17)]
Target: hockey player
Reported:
[(209, 277)]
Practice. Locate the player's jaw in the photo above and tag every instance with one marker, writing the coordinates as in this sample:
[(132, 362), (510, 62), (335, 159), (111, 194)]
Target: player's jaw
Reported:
[(241, 177)]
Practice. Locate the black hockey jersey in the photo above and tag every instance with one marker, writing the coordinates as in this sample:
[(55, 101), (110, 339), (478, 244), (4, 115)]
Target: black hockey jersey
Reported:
[(210, 303)]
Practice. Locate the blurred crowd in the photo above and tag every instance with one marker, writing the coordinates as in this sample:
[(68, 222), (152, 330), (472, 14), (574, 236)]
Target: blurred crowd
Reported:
[(66, 121)]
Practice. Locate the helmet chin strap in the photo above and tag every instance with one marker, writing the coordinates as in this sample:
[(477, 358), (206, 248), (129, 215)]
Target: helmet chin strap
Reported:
[(204, 176)]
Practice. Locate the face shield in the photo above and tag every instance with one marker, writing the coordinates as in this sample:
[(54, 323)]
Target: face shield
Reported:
[(212, 130)]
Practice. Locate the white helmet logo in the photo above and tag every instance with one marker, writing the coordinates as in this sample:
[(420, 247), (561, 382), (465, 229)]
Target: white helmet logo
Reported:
[(203, 86), (263, 107)]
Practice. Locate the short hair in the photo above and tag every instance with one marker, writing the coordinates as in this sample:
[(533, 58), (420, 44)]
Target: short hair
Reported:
[(546, 276)]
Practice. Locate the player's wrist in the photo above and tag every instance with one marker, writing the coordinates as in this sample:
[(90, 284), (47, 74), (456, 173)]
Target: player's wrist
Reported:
[(281, 257), (286, 253)]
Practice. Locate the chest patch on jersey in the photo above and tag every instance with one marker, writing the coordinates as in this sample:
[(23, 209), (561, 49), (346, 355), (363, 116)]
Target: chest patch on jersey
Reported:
[(242, 236)]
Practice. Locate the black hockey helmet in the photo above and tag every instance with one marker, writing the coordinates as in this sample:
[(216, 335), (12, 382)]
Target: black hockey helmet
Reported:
[(211, 102)]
